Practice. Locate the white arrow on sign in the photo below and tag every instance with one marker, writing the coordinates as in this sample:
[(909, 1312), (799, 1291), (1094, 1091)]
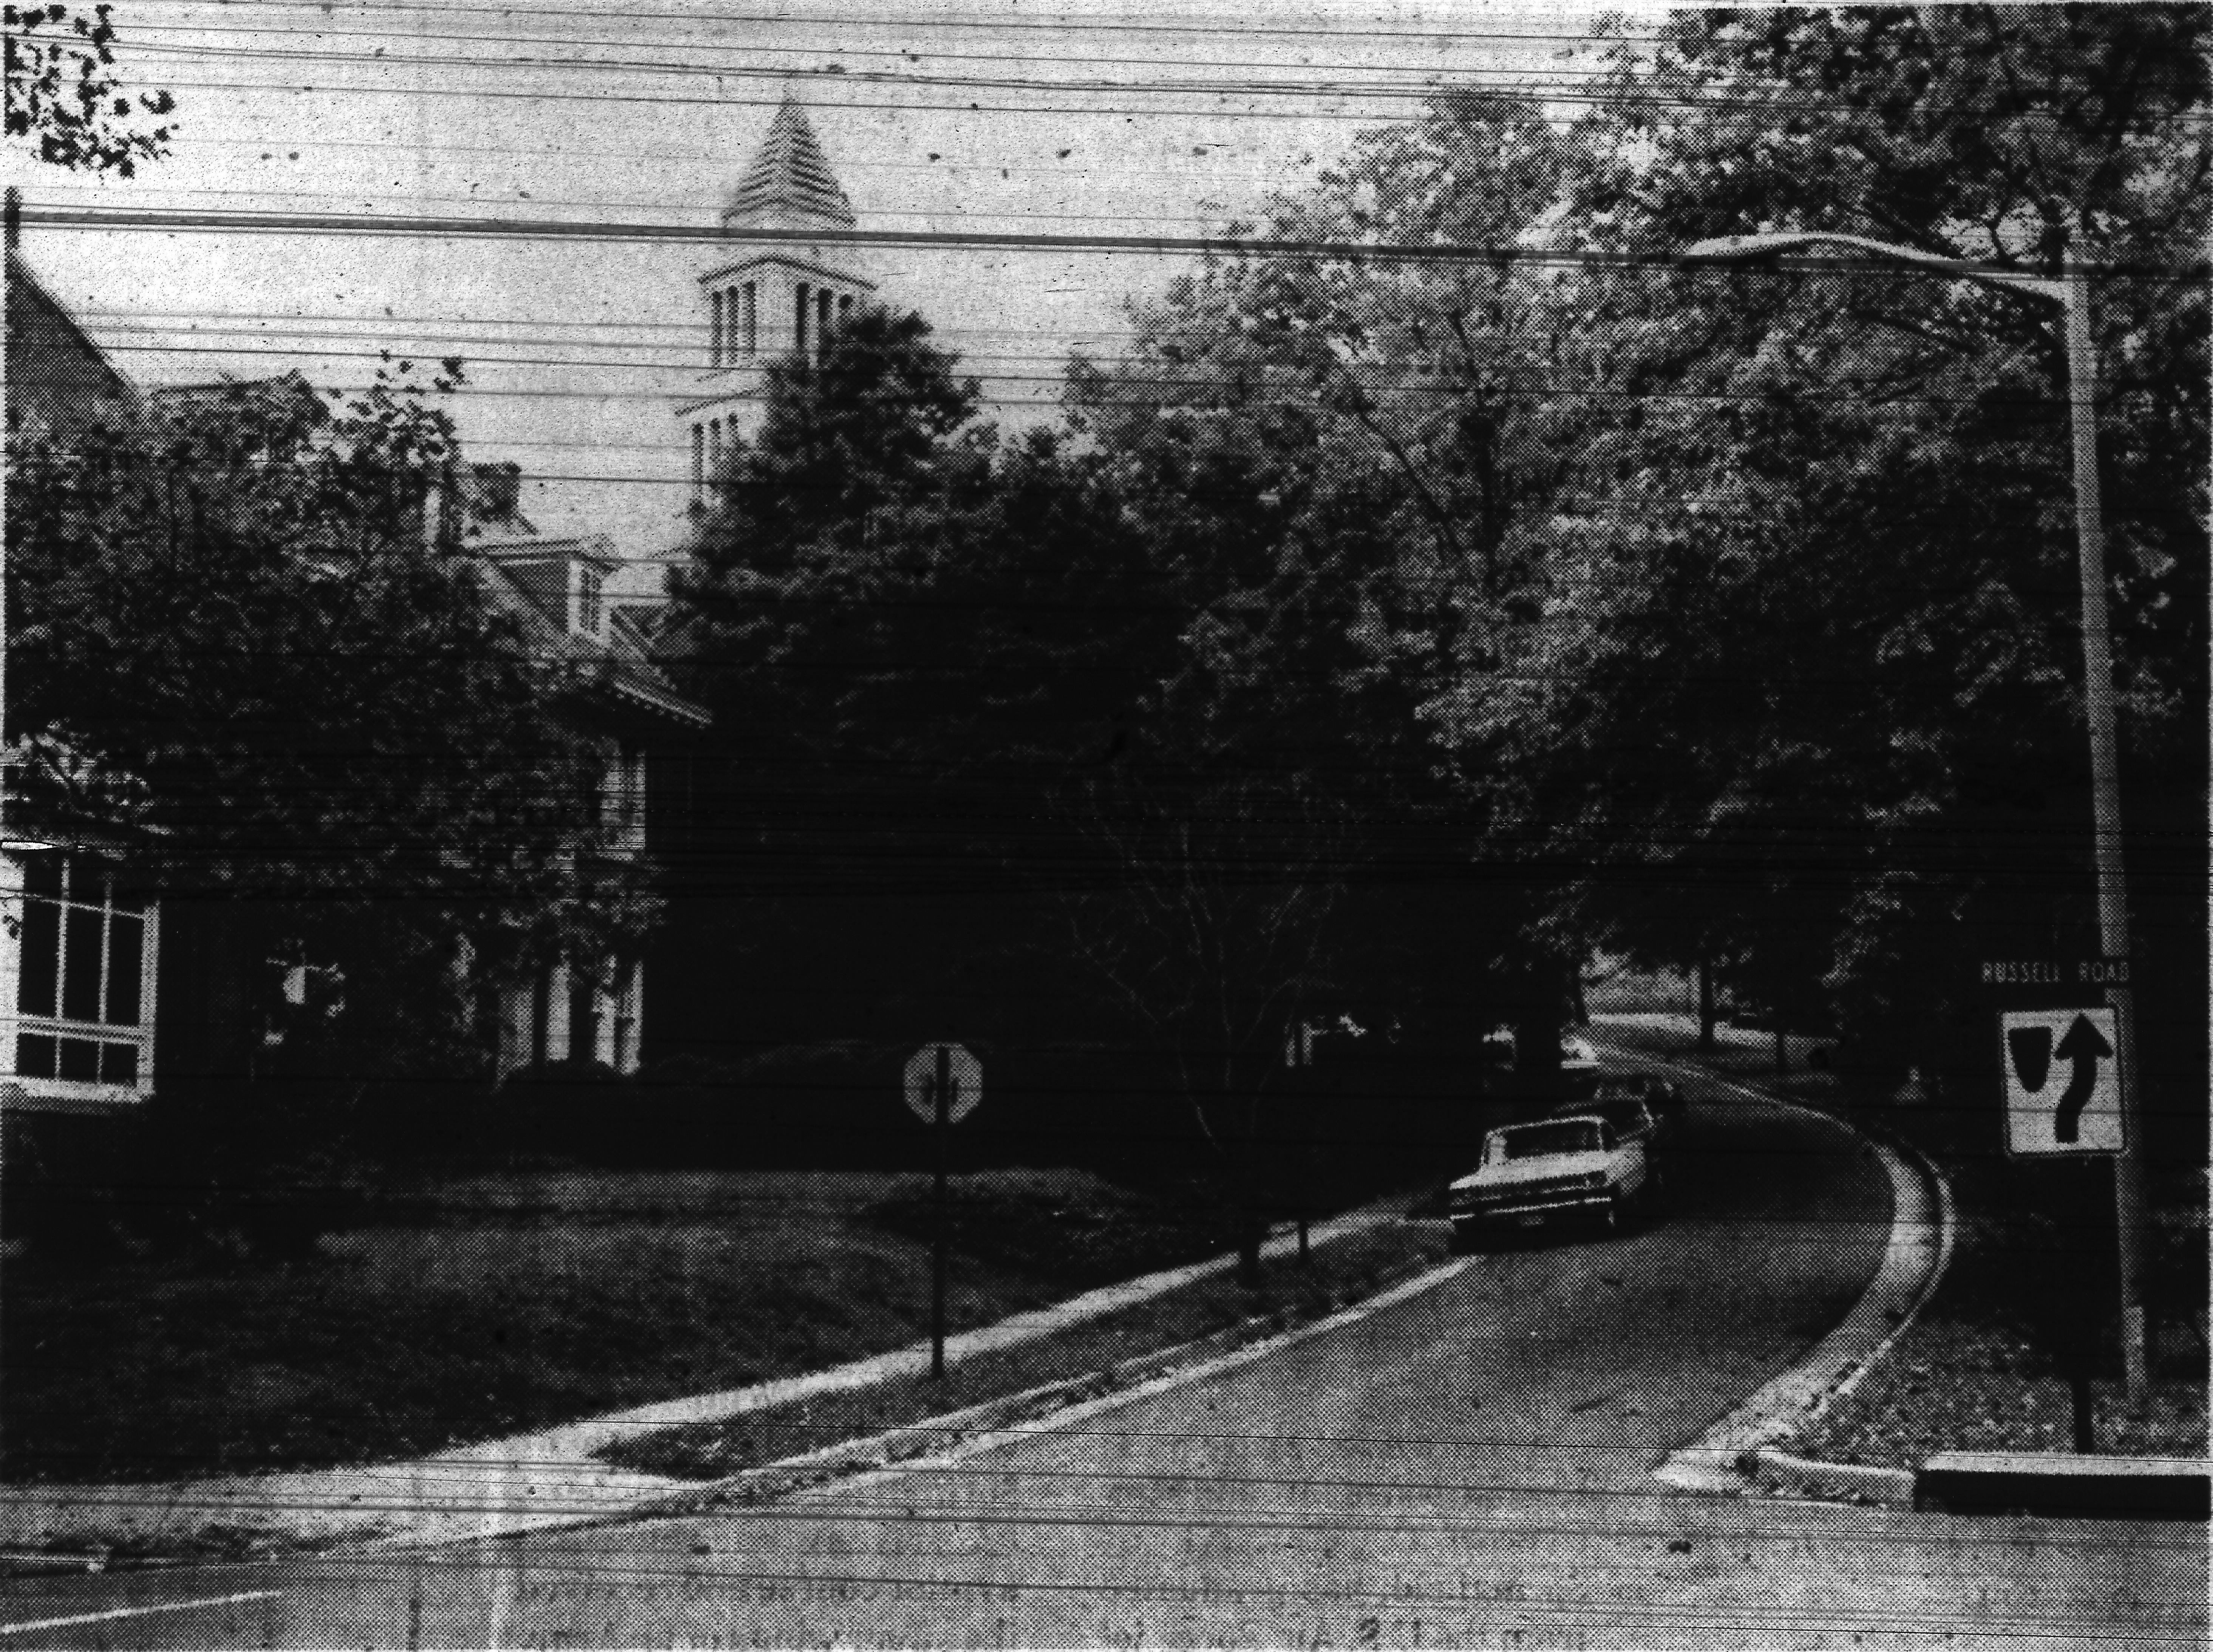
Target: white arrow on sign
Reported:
[(967, 1076), (2063, 1081)]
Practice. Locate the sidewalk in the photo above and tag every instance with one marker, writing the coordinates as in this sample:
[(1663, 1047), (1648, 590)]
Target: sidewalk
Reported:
[(530, 1480)]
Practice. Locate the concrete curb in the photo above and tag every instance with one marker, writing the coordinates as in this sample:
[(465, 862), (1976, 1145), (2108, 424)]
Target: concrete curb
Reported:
[(842, 1457), (2066, 1484), (1814, 1479), (1914, 1260), (952, 1438)]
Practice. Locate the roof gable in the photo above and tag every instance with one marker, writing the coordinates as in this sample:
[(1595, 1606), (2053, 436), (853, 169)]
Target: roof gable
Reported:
[(529, 579), (55, 372)]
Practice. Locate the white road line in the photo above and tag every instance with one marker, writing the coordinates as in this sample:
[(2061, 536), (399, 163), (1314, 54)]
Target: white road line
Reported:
[(135, 1611)]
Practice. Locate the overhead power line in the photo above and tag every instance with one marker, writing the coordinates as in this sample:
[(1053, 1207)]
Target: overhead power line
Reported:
[(1536, 93), (486, 228), (1226, 27)]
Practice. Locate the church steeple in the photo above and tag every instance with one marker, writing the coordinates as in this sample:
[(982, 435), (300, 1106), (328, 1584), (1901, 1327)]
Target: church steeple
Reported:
[(781, 296), (789, 184)]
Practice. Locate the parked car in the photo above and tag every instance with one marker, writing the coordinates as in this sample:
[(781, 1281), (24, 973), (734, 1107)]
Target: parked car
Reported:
[(1626, 1116), (1538, 1172), (1662, 1095)]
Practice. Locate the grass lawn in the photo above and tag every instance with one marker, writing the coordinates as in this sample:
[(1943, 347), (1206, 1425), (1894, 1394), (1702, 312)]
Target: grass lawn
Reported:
[(470, 1306), (1963, 1379)]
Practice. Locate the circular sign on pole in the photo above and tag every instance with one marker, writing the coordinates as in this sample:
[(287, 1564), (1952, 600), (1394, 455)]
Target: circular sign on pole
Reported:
[(967, 1083)]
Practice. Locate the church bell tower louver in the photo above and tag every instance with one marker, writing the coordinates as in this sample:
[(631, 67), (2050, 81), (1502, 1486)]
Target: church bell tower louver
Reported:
[(774, 299)]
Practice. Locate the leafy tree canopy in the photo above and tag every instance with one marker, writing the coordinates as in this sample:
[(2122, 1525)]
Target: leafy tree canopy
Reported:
[(64, 96), (1819, 706)]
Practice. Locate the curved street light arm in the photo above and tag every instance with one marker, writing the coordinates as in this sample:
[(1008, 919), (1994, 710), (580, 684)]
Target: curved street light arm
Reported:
[(1780, 243)]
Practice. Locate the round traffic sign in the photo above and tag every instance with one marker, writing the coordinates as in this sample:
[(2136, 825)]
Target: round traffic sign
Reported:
[(966, 1076)]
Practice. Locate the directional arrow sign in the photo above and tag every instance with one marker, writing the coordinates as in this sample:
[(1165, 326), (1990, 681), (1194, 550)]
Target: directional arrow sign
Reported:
[(2063, 1085)]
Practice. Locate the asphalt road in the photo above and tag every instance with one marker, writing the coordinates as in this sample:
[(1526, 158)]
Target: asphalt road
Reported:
[(1469, 1468)]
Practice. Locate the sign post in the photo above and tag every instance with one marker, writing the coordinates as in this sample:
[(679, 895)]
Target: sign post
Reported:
[(2061, 1073), (943, 1085)]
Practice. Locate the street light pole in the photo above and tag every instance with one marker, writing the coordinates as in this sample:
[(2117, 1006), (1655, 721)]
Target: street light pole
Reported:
[(2105, 815), (2071, 294)]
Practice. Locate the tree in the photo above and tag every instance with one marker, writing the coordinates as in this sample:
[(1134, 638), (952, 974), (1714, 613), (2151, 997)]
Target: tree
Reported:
[(1211, 921), (63, 93), (1076, 680), (1822, 708), (231, 635), (915, 635), (1347, 461)]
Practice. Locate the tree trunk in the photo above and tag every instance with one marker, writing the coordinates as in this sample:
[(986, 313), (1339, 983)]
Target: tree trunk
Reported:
[(1252, 1229), (1707, 1017), (2078, 1394)]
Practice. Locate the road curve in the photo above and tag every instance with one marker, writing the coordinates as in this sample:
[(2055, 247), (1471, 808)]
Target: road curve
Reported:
[(1470, 1467)]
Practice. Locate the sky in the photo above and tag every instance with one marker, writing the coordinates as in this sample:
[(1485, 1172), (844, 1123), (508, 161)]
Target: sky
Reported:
[(1000, 116)]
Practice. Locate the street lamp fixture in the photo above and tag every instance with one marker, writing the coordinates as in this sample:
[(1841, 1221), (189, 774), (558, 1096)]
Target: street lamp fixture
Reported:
[(2071, 293)]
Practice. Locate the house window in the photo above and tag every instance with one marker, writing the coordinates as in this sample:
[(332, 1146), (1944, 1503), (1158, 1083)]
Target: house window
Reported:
[(715, 330), (752, 322), (593, 1012), (622, 806), (630, 999), (84, 981), (844, 309), (588, 614)]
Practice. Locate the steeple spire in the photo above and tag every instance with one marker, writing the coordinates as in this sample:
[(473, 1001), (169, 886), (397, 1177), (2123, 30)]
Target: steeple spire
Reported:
[(789, 184)]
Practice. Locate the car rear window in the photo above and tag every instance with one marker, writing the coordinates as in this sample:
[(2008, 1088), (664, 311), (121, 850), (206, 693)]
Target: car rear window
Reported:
[(1542, 1141), (1622, 1112)]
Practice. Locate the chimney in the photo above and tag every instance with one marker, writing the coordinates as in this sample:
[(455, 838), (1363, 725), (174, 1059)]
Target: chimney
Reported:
[(499, 489)]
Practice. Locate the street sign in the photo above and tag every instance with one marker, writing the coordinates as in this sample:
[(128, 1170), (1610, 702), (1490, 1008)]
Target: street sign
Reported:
[(967, 1083), (2062, 1082), (2007, 975)]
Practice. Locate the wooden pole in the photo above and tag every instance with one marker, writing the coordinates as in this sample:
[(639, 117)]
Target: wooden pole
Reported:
[(942, 1090)]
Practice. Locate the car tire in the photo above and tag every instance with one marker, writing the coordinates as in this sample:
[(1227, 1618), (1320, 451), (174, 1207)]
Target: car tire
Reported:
[(1615, 1216)]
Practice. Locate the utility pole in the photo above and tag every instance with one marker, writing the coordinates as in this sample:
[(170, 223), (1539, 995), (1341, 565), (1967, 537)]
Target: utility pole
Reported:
[(2071, 294)]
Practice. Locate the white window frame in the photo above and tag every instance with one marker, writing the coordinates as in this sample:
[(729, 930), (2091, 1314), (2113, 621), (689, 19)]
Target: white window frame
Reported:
[(79, 868), (587, 601), (622, 795)]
